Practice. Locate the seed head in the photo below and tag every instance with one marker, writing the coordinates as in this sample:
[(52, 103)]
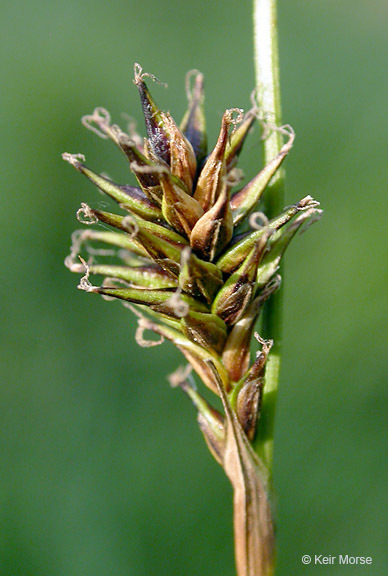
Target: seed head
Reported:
[(192, 256)]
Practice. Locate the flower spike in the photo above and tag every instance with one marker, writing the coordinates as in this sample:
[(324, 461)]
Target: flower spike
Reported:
[(194, 260)]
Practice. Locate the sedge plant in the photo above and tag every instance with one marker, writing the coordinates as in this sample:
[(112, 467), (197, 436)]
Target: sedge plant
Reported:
[(195, 254)]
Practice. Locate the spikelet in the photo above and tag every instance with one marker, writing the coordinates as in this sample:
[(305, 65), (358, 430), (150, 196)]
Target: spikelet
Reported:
[(187, 253)]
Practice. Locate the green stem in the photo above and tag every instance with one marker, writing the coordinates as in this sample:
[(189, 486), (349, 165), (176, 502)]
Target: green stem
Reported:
[(268, 98)]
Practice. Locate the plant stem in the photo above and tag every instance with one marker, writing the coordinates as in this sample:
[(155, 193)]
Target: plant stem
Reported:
[(268, 98)]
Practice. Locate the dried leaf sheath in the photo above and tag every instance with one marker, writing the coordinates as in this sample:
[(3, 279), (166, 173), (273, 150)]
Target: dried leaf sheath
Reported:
[(253, 528), (189, 258)]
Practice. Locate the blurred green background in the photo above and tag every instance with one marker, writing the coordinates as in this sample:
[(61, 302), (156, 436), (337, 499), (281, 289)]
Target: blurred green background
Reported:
[(103, 470)]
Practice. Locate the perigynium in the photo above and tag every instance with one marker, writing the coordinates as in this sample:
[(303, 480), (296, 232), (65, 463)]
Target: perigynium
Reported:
[(196, 261)]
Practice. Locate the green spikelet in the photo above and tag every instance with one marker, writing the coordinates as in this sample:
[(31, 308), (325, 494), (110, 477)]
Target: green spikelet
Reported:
[(187, 253)]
